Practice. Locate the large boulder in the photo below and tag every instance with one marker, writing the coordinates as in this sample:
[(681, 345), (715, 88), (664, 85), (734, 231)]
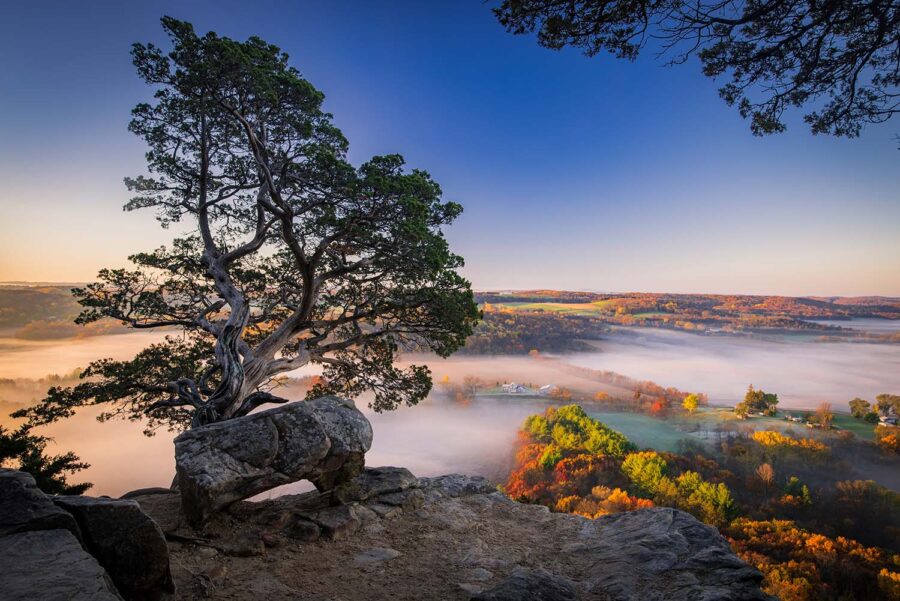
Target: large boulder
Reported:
[(323, 440), (23, 507), (126, 542), (664, 554), (51, 565), (163, 507)]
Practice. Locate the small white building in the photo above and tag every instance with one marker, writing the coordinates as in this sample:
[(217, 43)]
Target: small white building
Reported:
[(888, 420), (547, 389), (514, 388)]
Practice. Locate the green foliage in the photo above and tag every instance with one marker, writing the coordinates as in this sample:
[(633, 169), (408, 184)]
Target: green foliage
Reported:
[(649, 473), (837, 58), (888, 403), (757, 401), (22, 450), (550, 457), (797, 489), (645, 469), (871, 417), (538, 428), (859, 408), (129, 389), (710, 502), (572, 429)]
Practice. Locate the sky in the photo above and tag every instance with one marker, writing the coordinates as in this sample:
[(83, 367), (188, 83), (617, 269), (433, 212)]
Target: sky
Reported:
[(575, 173)]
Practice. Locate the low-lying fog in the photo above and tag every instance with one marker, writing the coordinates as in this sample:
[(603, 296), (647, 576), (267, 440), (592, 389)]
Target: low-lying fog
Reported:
[(803, 374), (431, 439), (439, 437), (864, 324)]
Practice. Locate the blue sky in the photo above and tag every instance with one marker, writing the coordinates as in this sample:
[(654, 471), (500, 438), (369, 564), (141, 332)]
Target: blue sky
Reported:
[(575, 173)]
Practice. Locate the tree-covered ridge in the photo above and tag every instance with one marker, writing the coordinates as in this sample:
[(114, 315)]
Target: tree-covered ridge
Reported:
[(573, 463), (510, 332), (590, 314)]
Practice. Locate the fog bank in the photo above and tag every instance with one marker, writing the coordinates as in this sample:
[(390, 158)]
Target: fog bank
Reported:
[(803, 374)]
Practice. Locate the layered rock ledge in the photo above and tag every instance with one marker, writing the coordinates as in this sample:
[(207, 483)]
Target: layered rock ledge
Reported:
[(388, 535)]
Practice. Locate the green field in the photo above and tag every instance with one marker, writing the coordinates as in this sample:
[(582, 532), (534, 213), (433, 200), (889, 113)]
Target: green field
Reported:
[(566, 308), (643, 430), (842, 421)]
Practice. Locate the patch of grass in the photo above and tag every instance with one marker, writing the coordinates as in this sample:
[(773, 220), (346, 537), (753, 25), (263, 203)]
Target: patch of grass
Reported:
[(862, 429), (644, 430)]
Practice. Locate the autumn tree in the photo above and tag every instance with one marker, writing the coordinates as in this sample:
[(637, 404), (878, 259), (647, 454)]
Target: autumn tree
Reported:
[(690, 403), (766, 475), (757, 401), (886, 404), (888, 438), (291, 256), (824, 415), (859, 407), (840, 59)]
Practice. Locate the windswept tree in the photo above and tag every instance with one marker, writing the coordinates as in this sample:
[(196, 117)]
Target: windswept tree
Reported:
[(290, 256), (839, 59)]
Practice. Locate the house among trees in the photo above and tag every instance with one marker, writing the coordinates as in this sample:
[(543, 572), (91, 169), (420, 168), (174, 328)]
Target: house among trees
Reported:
[(513, 388), (547, 389)]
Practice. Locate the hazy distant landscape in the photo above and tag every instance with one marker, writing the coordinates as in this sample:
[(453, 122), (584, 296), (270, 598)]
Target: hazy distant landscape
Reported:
[(805, 371), (443, 300)]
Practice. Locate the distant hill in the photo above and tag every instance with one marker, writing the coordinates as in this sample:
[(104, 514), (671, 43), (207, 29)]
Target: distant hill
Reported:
[(23, 305)]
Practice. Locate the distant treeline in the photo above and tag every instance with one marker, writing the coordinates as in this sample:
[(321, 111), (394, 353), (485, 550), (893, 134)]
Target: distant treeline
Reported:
[(708, 305), (518, 333)]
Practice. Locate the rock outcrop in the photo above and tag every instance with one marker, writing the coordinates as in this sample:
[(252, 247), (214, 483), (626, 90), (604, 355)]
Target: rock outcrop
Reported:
[(76, 548), (391, 536), (126, 542), (51, 565), (24, 508), (323, 441), (669, 557), (530, 585)]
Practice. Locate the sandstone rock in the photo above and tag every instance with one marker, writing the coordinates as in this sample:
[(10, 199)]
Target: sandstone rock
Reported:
[(143, 492), (224, 462), (373, 482), (303, 530), (341, 521), (665, 554), (375, 555), (479, 575), (531, 585), (51, 565), (126, 542), (23, 507), (407, 500), (385, 511), (456, 485), (164, 508)]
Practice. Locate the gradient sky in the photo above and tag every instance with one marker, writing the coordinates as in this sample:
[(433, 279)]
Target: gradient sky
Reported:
[(575, 173)]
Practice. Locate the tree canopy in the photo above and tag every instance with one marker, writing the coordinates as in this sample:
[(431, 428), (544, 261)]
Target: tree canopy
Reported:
[(840, 60), (291, 256)]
